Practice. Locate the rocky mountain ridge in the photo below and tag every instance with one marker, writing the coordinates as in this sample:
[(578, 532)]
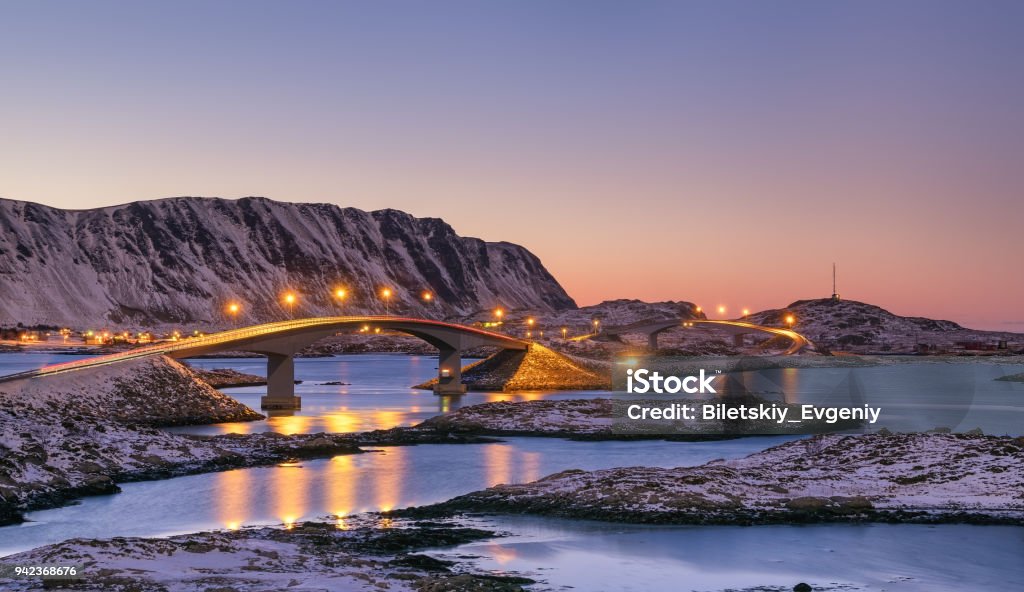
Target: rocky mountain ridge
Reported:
[(181, 260)]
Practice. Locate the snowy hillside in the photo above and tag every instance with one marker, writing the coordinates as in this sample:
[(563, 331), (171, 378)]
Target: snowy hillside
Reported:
[(181, 260), (857, 326)]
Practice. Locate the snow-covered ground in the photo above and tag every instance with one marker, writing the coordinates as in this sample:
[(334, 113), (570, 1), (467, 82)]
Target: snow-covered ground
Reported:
[(359, 553), (908, 477), (78, 433)]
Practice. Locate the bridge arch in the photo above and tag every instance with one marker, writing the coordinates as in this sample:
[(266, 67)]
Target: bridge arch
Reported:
[(280, 341)]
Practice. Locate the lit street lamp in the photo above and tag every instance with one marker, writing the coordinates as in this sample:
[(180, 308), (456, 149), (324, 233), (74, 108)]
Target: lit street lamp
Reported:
[(289, 301), (428, 298), (564, 331), (790, 320), (233, 309), (597, 326), (340, 295), (386, 295)]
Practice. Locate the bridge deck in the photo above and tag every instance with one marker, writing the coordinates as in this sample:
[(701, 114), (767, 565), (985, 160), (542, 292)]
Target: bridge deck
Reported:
[(225, 339)]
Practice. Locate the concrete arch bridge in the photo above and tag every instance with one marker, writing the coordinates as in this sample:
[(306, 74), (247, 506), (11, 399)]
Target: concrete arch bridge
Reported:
[(280, 341)]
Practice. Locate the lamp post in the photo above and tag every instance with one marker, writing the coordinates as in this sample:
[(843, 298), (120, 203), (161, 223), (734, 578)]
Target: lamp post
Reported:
[(233, 309), (564, 332), (529, 326), (498, 313), (428, 298), (289, 301), (340, 294), (386, 295)]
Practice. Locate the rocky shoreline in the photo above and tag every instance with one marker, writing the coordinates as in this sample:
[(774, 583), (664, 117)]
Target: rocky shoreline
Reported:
[(371, 551), (595, 420), (64, 439), (920, 478)]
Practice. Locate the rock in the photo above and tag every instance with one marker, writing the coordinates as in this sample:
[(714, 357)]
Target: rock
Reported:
[(802, 587)]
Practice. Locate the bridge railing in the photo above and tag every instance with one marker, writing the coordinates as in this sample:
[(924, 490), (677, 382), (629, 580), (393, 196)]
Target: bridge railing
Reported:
[(237, 335)]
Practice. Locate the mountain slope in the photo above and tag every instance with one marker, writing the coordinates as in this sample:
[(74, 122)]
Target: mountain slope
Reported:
[(181, 260), (858, 326)]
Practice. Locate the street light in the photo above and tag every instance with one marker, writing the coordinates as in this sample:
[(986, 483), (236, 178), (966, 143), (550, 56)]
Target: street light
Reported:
[(790, 320), (529, 327), (289, 300), (340, 294), (233, 309), (721, 310), (386, 295), (427, 297), (597, 326), (564, 331), (746, 312)]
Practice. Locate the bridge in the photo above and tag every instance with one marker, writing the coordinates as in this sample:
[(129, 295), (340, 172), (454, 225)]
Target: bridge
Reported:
[(652, 328), (280, 341)]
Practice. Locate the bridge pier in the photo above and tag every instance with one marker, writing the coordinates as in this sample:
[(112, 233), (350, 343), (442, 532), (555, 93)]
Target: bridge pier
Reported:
[(449, 372), (652, 341), (280, 383)]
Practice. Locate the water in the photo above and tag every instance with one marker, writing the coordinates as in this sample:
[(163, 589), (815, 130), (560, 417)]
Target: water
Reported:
[(589, 556), (597, 556), (393, 477), (377, 394)]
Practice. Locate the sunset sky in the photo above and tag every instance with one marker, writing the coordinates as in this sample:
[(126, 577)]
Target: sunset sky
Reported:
[(718, 152)]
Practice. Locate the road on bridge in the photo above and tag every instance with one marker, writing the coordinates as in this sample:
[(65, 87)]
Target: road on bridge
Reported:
[(282, 340)]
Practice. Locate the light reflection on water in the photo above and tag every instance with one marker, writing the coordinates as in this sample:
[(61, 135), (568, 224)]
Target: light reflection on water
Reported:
[(608, 556), (383, 479)]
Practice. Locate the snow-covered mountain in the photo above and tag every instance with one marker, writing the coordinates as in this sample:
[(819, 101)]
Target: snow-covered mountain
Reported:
[(182, 260)]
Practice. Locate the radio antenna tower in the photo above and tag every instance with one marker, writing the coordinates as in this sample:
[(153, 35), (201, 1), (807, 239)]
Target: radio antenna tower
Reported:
[(835, 294)]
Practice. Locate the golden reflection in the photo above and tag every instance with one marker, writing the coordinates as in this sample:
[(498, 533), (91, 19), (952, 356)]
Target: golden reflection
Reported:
[(513, 397), (389, 481), (341, 481), (289, 425), (342, 423), (289, 487), (232, 497), (498, 458), (501, 554), (341, 524), (790, 385), (235, 428), (388, 419)]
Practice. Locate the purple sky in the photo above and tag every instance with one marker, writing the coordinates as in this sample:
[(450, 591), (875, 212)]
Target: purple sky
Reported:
[(720, 152)]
